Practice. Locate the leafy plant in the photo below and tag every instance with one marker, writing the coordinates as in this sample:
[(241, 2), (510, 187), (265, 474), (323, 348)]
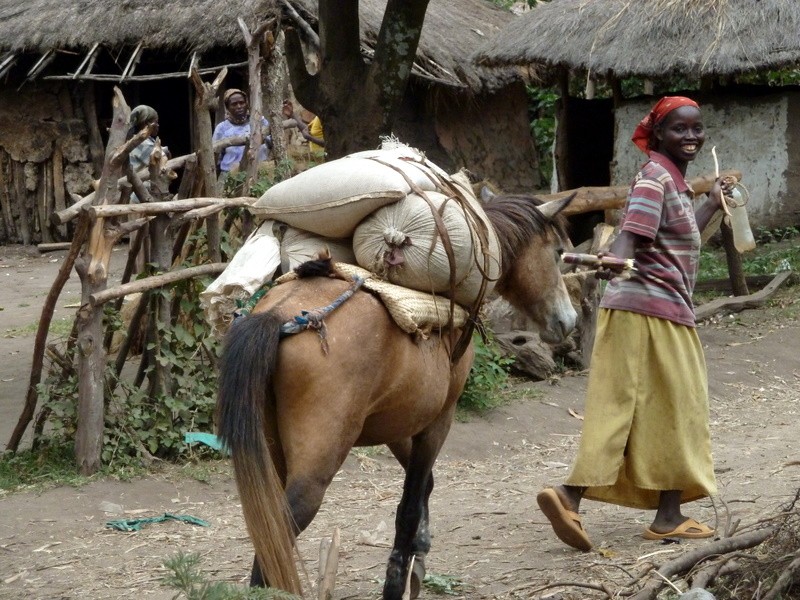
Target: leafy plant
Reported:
[(767, 258), (541, 111), (489, 374), (184, 575), (443, 584), (778, 234), (141, 425)]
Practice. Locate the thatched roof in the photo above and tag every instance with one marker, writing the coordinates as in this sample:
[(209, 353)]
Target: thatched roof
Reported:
[(453, 29), (651, 37)]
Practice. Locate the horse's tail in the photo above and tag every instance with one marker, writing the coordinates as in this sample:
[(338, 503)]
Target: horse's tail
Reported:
[(245, 400)]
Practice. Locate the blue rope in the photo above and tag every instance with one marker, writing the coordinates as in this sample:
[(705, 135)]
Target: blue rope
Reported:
[(314, 319)]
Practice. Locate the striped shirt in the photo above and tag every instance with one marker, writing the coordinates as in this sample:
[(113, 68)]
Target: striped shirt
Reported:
[(659, 209)]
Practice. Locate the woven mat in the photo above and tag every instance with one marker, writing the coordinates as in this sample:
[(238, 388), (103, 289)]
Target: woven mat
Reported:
[(413, 311)]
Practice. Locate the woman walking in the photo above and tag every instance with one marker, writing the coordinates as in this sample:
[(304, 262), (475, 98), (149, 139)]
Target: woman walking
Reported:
[(645, 441)]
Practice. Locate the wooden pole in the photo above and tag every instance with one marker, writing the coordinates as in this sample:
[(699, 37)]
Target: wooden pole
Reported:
[(41, 334), (161, 248), (92, 268), (590, 199), (69, 213), (169, 206), (253, 43), (734, 260), (206, 100), (562, 116), (156, 281), (89, 108)]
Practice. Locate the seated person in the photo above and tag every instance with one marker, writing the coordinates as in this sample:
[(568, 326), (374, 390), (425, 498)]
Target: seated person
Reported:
[(142, 116)]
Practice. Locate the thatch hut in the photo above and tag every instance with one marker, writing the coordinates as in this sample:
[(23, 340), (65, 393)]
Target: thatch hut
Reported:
[(59, 62), (711, 44)]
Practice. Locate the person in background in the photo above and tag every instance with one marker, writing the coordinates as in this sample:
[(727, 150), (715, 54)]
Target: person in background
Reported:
[(645, 440), (142, 116), (316, 137), (315, 140), (237, 123)]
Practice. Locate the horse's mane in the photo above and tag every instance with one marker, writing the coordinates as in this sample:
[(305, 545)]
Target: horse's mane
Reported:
[(516, 220)]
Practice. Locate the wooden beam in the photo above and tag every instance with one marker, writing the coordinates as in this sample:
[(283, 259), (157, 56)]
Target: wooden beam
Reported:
[(45, 60), (132, 62), (740, 303), (149, 283), (158, 77), (89, 56), (589, 199), (156, 208)]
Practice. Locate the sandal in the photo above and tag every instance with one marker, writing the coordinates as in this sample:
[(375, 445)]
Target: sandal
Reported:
[(688, 530), (566, 523)]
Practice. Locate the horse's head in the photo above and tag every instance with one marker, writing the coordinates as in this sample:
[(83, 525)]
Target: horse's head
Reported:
[(532, 237)]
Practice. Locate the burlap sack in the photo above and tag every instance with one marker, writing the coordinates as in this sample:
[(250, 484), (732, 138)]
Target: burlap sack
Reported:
[(330, 199), (413, 311), (401, 243), (298, 246)]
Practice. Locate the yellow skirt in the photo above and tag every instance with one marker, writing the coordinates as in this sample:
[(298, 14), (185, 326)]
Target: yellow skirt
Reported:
[(646, 419)]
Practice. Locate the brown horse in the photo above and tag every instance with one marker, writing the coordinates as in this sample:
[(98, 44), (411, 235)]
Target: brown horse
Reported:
[(290, 413)]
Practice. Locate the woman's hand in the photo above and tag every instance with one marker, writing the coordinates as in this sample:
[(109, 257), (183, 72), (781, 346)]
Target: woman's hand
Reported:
[(723, 187), (609, 270)]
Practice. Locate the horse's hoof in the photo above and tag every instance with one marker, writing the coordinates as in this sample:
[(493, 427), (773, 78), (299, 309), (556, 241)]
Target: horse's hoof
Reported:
[(417, 577)]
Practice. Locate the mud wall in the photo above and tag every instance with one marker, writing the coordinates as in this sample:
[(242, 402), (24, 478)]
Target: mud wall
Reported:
[(44, 157), (490, 135)]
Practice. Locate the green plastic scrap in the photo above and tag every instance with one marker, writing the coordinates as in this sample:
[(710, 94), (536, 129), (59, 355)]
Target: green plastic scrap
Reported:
[(137, 524), (209, 439)]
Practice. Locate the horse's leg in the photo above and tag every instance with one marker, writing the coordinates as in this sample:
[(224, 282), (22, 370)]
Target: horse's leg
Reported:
[(418, 484), (422, 540)]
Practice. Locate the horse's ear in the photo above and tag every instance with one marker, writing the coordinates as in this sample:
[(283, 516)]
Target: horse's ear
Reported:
[(552, 208), (486, 194)]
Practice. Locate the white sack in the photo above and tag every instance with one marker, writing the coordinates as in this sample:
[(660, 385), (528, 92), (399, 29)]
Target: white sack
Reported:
[(397, 242), (251, 267), (270, 246), (298, 246), (330, 199)]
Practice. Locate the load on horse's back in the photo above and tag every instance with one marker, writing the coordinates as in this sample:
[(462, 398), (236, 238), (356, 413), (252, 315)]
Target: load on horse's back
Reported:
[(290, 413)]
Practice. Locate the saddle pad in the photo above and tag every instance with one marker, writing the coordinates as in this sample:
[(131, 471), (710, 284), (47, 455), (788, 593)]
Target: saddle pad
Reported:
[(413, 311)]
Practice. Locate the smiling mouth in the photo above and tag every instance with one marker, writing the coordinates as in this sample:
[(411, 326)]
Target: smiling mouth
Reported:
[(691, 148)]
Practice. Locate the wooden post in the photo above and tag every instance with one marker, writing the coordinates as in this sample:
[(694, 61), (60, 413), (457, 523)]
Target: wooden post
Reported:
[(161, 255), (59, 191), (92, 268), (206, 100), (273, 82), (734, 260), (253, 43), (89, 108), (562, 110), (41, 335)]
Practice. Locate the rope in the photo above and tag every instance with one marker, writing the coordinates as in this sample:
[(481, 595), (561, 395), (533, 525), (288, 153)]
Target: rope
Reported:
[(314, 319), (459, 344)]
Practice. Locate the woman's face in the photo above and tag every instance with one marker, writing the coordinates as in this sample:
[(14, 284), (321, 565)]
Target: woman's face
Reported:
[(237, 106), (681, 134)]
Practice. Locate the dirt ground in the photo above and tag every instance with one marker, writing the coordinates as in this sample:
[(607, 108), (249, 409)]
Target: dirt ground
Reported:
[(488, 534)]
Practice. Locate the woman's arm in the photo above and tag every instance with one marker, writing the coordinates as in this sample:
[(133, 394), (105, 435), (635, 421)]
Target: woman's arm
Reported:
[(706, 210)]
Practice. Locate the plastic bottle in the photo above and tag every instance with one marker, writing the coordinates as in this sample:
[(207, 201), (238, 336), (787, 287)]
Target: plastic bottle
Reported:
[(742, 235)]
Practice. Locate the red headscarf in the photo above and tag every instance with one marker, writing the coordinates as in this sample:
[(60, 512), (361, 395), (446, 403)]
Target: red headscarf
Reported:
[(641, 136)]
